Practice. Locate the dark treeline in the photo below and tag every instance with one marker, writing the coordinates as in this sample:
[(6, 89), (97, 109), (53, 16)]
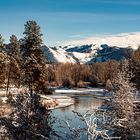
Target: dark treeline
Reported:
[(80, 75)]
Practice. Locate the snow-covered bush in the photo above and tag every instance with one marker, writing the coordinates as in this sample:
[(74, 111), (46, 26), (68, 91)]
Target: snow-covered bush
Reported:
[(123, 100), (28, 120)]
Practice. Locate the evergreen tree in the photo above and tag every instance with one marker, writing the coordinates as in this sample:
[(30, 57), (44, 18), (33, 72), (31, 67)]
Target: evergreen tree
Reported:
[(14, 61), (14, 48), (2, 48), (3, 64), (34, 63), (1, 43)]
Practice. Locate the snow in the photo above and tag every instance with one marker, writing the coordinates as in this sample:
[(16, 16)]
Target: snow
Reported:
[(82, 57), (12, 90), (62, 56), (63, 101), (57, 56), (4, 99), (81, 90)]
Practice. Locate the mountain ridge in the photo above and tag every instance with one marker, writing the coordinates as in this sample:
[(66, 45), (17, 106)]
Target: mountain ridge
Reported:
[(86, 54)]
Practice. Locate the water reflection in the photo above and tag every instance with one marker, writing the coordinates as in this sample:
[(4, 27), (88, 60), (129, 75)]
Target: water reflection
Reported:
[(86, 103), (81, 105)]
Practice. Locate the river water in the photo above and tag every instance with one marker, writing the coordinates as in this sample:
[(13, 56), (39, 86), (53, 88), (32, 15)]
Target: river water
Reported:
[(70, 121)]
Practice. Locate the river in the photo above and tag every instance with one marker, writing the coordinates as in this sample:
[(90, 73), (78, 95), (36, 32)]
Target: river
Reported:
[(65, 115)]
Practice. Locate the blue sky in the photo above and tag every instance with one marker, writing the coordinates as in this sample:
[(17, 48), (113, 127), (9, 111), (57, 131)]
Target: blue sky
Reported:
[(67, 20)]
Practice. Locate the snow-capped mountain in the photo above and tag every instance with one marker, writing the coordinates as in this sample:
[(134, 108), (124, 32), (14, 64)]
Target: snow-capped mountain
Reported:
[(86, 54), (57, 55)]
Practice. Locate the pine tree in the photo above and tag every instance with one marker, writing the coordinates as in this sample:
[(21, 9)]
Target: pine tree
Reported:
[(14, 48), (3, 62), (1, 43), (14, 61), (34, 63)]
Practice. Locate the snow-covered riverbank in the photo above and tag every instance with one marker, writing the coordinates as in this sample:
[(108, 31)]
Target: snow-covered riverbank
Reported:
[(62, 97), (56, 101), (63, 101), (49, 101)]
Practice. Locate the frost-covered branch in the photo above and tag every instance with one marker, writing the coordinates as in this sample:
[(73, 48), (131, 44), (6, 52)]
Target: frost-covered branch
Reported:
[(96, 121)]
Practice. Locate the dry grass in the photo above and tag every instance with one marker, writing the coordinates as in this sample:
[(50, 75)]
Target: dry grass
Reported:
[(5, 110)]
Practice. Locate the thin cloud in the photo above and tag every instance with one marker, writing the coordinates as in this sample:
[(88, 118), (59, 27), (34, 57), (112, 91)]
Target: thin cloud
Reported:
[(123, 39), (80, 36)]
